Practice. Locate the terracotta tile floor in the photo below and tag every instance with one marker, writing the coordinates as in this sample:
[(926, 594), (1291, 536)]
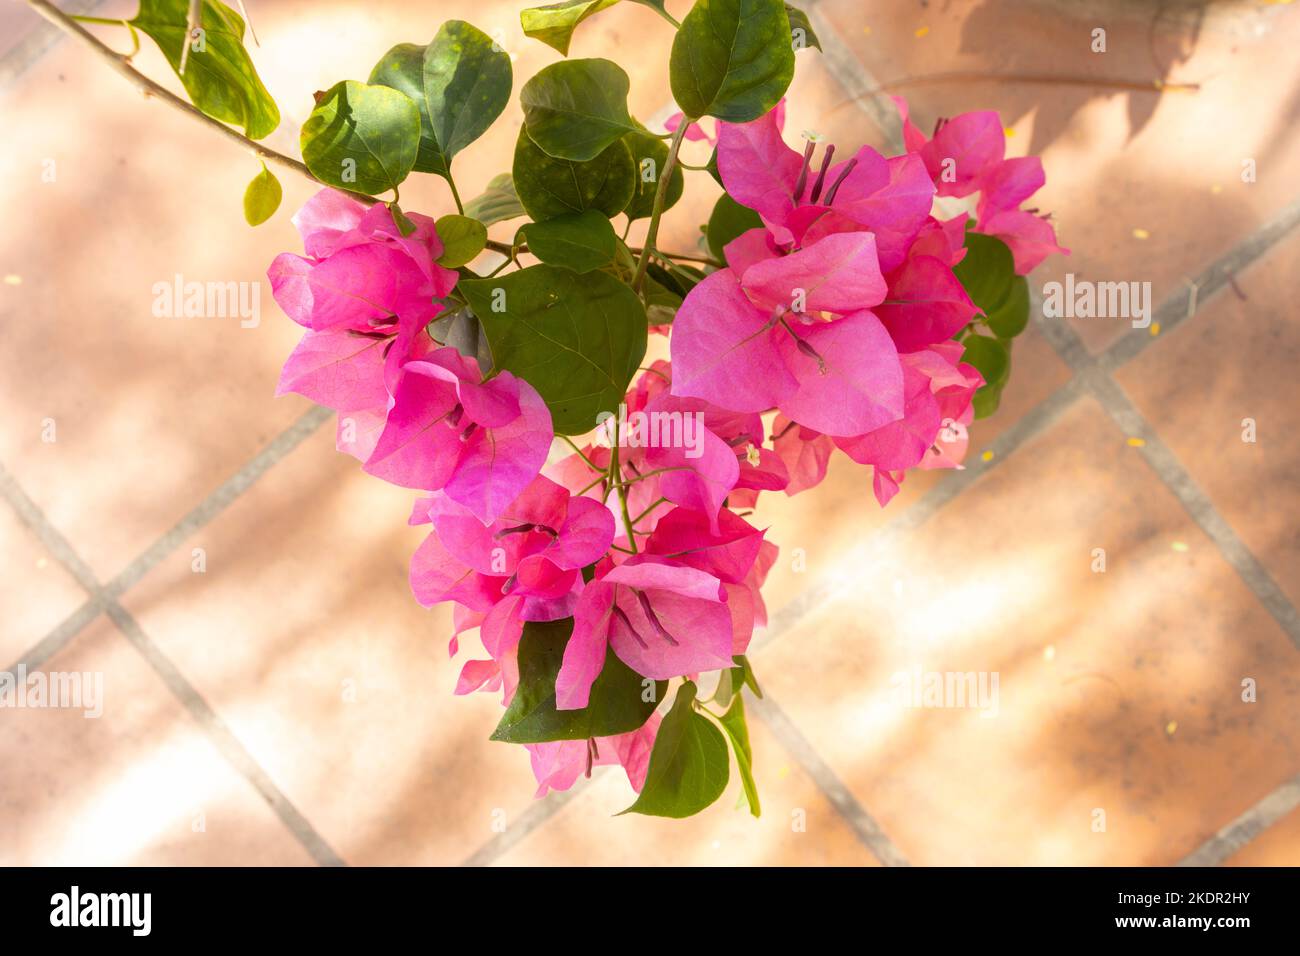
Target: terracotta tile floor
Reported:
[(290, 703)]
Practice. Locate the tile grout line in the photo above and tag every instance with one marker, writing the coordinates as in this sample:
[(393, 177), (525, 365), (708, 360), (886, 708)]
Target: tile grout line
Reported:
[(1110, 395), (1171, 472), (864, 826), (211, 506), (1241, 831), (538, 813), (854, 77), (38, 43), (220, 499), (221, 737), (214, 729)]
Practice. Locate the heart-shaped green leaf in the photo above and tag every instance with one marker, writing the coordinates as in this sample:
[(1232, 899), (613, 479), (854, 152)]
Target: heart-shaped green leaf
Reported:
[(1010, 318), (554, 23), (360, 137), (689, 767), (577, 339), (732, 59), (467, 82), (621, 699), (219, 75), (262, 197), (462, 238), (402, 69), (582, 241), (986, 271), (498, 202), (576, 108), (550, 187)]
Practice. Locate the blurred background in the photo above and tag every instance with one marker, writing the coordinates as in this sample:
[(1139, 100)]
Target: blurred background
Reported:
[(274, 695)]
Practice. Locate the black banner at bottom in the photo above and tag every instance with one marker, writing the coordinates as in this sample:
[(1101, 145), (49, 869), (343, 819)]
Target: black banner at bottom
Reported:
[(333, 906)]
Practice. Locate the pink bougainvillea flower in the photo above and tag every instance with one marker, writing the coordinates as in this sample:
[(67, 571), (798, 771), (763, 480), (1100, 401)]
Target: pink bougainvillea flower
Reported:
[(1030, 236), (360, 270), (480, 442), (730, 552), (806, 453), (841, 377), (967, 155), (557, 764), (888, 197), (662, 617), (534, 548), (927, 304)]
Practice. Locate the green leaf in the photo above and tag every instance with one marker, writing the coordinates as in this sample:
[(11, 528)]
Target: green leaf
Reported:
[(747, 675), (498, 203), (689, 767), (467, 82), (402, 69), (576, 108), (732, 59), (733, 722), (576, 339), (728, 220), (581, 241), (1010, 318), (986, 400), (733, 679), (986, 271), (618, 703), (990, 356), (550, 187), (649, 156), (462, 238), (219, 78), (554, 23), (802, 35), (681, 279), (360, 137), (262, 197)]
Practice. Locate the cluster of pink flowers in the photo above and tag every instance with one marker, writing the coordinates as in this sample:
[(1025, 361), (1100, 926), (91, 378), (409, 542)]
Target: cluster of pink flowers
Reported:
[(838, 314)]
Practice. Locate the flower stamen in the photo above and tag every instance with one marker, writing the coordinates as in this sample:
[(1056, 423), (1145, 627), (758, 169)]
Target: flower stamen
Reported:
[(821, 174)]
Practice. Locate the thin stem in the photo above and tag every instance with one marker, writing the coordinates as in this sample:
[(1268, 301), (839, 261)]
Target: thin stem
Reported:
[(460, 206), (590, 464), (657, 210), (639, 518), (692, 257), (651, 474), (616, 480), (505, 247), (103, 21), (151, 89)]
